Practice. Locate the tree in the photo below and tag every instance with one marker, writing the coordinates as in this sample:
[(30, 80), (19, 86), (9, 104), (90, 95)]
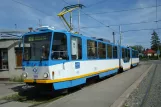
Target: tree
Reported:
[(138, 47), (155, 41)]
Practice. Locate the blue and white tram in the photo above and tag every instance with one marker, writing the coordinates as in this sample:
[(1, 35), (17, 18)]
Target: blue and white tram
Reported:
[(63, 59)]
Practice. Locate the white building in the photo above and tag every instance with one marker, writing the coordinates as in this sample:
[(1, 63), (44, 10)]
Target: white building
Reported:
[(10, 55)]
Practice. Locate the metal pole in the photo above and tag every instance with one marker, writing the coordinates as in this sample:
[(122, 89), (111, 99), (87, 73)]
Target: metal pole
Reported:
[(71, 21), (15, 26), (158, 50), (78, 18), (113, 33), (120, 34), (120, 48)]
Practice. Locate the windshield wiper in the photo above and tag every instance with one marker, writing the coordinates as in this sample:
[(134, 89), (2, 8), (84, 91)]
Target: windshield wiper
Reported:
[(41, 58)]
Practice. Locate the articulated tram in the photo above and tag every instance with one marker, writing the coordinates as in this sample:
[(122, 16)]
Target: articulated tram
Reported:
[(63, 59)]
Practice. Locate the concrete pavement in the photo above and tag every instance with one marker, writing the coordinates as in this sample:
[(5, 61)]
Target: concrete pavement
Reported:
[(104, 93), (13, 104), (8, 89)]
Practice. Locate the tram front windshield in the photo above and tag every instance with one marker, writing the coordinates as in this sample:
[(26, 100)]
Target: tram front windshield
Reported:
[(37, 46)]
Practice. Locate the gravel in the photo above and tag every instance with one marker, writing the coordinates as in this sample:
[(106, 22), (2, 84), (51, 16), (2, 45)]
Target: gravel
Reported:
[(154, 95)]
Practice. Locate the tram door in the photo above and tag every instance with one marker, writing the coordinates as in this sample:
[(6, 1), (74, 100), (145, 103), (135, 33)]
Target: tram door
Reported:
[(76, 56)]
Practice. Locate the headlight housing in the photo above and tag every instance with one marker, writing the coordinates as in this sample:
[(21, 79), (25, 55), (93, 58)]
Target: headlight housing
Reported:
[(46, 75), (24, 75)]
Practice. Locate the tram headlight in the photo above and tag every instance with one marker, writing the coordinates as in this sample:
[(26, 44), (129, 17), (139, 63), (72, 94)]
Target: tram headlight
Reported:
[(24, 75), (46, 75)]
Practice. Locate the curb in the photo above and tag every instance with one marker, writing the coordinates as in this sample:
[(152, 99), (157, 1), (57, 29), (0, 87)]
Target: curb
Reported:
[(121, 100)]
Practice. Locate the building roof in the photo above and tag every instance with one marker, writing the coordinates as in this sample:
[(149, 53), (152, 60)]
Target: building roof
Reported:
[(10, 36), (149, 51)]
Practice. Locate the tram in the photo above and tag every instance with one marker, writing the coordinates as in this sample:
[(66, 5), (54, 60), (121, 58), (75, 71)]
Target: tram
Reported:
[(63, 59)]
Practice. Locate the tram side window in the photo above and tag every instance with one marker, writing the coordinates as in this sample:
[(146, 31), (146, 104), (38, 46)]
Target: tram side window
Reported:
[(128, 54), (114, 51), (76, 48), (91, 49), (133, 54), (109, 51), (59, 47), (123, 53), (136, 56), (102, 50)]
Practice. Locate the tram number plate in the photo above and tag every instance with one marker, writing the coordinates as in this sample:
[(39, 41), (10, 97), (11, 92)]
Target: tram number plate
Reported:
[(77, 65), (35, 76)]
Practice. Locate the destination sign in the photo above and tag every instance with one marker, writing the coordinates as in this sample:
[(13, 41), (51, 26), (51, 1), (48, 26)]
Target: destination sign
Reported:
[(38, 37)]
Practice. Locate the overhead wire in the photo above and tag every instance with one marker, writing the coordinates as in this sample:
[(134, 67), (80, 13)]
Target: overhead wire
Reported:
[(104, 12), (94, 19), (31, 7), (34, 8), (126, 23), (122, 24), (139, 30), (124, 10), (101, 1)]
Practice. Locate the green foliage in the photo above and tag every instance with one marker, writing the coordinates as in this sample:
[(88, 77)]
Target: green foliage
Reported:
[(138, 47), (16, 79), (145, 58), (155, 41)]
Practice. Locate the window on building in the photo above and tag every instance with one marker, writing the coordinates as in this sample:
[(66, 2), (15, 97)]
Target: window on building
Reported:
[(109, 51), (59, 47), (3, 59), (114, 51), (76, 48), (91, 49), (101, 50)]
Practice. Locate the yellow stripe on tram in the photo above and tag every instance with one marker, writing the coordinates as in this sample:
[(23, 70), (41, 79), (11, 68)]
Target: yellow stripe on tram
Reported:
[(67, 79)]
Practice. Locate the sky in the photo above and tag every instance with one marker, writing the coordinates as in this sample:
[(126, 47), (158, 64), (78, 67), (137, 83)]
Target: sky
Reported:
[(28, 13)]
